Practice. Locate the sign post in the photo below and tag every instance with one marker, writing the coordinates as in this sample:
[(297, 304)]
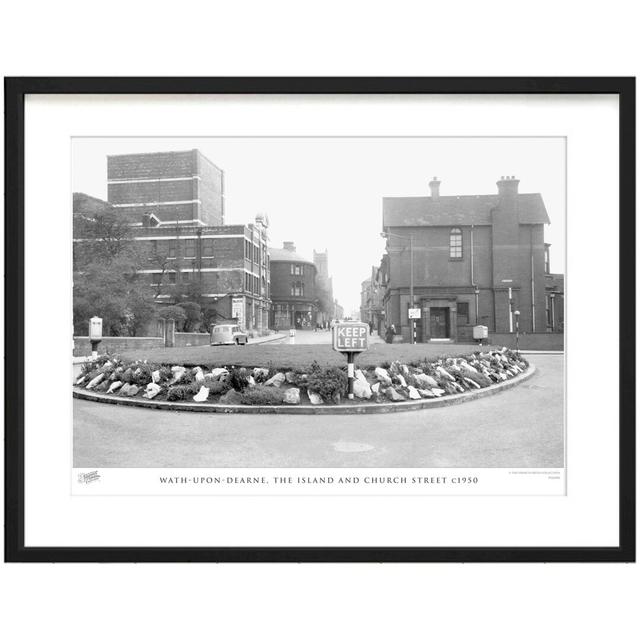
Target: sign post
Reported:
[(350, 338), (415, 313)]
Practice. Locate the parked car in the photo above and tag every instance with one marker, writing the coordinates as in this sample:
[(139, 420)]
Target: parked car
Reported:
[(228, 334)]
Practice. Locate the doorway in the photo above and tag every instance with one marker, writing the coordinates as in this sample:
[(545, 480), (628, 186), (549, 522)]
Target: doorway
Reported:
[(439, 322)]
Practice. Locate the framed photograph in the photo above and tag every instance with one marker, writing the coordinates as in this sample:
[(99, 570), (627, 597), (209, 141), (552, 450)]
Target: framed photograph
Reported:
[(320, 319)]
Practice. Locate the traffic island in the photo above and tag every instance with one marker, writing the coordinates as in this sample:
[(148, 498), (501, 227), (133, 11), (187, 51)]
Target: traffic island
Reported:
[(318, 389)]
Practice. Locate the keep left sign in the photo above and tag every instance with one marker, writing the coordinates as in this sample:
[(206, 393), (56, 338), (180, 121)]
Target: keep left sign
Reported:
[(351, 336)]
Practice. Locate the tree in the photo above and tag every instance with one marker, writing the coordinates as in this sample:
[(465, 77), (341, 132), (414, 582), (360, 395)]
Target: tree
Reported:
[(193, 314), (107, 281), (176, 313)]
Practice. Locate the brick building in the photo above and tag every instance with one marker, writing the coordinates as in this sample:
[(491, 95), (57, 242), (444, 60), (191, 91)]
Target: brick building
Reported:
[(476, 259), (175, 187), (293, 293), (324, 289), (172, 205), (371, 301)]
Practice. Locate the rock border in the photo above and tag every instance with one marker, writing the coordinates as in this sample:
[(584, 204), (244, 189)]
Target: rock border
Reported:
[(327, 409)]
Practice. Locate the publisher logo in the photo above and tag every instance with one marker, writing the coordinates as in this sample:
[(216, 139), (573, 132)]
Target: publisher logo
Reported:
[(89, 476)]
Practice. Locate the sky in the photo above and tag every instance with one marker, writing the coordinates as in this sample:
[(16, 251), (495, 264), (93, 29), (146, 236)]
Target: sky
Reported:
[(326, 193)]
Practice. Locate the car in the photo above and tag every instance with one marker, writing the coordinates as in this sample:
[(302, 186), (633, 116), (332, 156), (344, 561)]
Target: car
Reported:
[(228, 334)]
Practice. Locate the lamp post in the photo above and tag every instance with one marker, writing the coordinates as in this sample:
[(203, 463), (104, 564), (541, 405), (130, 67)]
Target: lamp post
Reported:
[(516, 313), (386, 234)]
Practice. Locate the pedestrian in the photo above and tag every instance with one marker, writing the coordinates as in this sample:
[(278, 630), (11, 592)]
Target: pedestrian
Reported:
[(370, 327)]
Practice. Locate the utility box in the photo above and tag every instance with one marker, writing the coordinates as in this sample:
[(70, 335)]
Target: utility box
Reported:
[(95, 328), (480, 332)]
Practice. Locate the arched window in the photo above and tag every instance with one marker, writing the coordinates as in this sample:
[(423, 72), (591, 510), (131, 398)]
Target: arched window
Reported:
[(455, 244)]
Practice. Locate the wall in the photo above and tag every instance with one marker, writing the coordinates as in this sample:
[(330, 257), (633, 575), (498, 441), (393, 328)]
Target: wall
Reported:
[(191, 339), (82, 346), (533, 341)]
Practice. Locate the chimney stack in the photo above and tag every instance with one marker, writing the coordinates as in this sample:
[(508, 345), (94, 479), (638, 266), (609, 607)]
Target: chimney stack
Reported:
[(434, 185), (289, 246), (508, 185)]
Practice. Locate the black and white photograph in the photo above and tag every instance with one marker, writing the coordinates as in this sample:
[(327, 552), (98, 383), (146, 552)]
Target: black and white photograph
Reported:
[(370, 303), (312, 327)]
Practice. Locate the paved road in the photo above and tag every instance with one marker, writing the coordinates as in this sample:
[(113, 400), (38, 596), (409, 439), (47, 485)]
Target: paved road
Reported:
[(522, 427), (320, 337)]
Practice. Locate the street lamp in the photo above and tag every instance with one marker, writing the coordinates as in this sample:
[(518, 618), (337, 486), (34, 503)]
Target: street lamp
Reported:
[(386, 234), (516, 313)]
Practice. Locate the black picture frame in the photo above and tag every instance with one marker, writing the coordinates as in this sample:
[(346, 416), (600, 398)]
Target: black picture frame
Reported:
[(15, 91)]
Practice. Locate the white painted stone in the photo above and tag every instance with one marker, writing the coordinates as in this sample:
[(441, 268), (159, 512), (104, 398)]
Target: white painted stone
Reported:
[(375, 387), (260, 373), (151, 390), (444, 373), (427, 393), (403, 382), (275, 380), (425, 380), (292, 396), (382, 375), (80, 380), (361, 389), (219, 373), (473, 383), (290, 377), (155, 376), (251, 381), (393, 395), (199, 375), (114, 386), (202, 395), (413, 393), (95, 381), (314, 398), (437, 391)]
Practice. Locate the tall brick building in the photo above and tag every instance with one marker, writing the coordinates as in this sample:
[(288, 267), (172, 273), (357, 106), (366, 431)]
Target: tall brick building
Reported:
[(293, 296), (476, 259), (173, 206), (176, 187)]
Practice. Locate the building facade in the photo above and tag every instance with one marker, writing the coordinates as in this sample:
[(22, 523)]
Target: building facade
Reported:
[(474, 259), (176, 187), (293, 289), (371, 301), (172, 205)]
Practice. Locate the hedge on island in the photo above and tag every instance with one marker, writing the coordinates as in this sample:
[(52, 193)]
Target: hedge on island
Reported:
[(315, 384)]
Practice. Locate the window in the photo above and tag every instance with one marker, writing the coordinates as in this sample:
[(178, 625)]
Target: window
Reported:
[(247, 282), (207, 246), (296, 269), (297, 289), (172, 277), (547, 268), (190, 248), (463, 312), (173, 248), (156, 278), (186, 276), (455, 244)]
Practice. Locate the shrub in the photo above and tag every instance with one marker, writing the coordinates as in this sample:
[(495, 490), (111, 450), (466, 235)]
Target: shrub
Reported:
[(261, 395), (238, 379), (217, 387), (231, 397), (326, 382), (181, 392)]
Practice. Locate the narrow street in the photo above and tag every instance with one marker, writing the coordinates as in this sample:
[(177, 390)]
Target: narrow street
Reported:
[(521, 427)]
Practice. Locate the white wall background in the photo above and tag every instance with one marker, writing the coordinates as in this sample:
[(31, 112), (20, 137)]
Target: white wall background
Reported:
[(328, 38)]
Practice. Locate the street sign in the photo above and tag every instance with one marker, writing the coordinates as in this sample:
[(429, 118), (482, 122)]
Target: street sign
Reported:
[(351, 337), (414, 314)]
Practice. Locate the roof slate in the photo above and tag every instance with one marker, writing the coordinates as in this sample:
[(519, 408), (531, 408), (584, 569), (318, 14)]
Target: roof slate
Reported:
[(424, 211), (284, 255)]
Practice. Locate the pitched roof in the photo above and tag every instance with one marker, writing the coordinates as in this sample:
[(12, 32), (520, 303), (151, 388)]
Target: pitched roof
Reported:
[(424, 211), (286, 255)]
